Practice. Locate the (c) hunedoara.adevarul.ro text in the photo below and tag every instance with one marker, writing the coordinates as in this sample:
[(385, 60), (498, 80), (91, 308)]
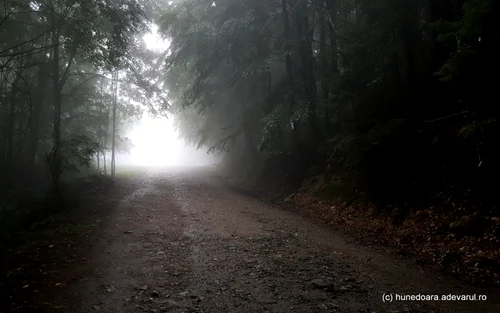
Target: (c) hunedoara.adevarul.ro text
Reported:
[(390, 297)]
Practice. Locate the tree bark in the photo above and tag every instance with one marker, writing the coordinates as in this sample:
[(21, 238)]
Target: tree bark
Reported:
[(36, 115), (333, 66), (306, 56), (113, 138), (99, 126), (12, 119), (332, 16), (289, 72), (323, 72), (57, 100), (105, 168), (288, 58)]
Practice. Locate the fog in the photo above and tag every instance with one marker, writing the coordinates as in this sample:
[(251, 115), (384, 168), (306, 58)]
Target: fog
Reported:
[(372, 117), (155, 143)]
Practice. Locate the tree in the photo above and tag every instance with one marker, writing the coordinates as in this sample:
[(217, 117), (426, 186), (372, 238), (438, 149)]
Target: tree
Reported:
[(73, 43), (337, 81)]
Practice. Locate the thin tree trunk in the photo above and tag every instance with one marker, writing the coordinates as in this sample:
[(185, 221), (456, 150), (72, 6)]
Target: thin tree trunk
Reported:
[(12, 119), (289, 70), (99, 126), (331, 8), (57, 100), (105, 139), (113, 138), (58, 83), (306, 55), (36, 115), (104, 163), (3, 138), (332, 16), (288, 58), (324, 77)]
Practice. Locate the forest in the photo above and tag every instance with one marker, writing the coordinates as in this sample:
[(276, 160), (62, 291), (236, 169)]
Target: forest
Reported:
[(61, 113), (382, 101), (384, 107), (379, 110)]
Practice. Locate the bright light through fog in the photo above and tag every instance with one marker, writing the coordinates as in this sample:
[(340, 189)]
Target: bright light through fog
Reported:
[(155, 142)]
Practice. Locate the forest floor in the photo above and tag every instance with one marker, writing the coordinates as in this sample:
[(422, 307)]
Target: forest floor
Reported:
[(182, 241)]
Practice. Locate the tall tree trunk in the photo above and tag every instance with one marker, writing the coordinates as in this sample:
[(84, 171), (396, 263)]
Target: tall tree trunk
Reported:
[(288, 58), (36, 115), (105, 139), (289, 71), (105, 168), (306, 56), (333, 68), (57, 100), (99, 126), (98, 162), (113, 138), (58, 84), (3, 131), (332, 16), (323, 72), (12, 119)]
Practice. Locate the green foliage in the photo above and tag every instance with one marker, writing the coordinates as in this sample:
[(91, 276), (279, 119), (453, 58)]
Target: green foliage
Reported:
[(102, 30), (79, 150), (351, 81), (211, 68), (465, 34), (55, 91), (271, 131), (71, 155)]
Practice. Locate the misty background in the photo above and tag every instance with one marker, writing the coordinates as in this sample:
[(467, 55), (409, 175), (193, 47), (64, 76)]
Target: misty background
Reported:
[(155, 142)]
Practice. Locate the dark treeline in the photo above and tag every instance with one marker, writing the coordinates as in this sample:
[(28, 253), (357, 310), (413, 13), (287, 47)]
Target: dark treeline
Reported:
[(390, 99), (61, 64)]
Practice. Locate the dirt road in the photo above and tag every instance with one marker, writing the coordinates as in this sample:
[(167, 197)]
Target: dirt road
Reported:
[(181, 241)]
